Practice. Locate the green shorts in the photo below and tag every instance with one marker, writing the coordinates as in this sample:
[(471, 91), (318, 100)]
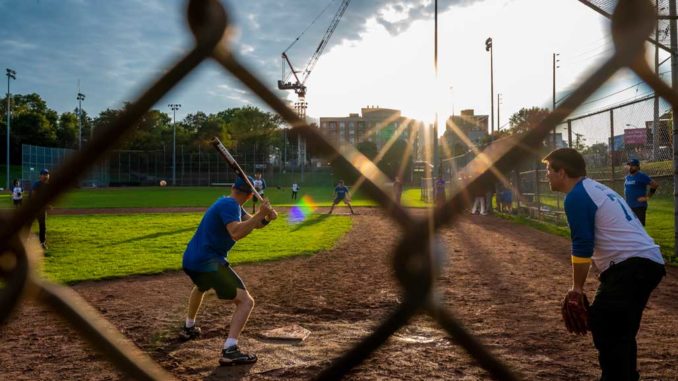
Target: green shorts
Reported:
[(224, 281)]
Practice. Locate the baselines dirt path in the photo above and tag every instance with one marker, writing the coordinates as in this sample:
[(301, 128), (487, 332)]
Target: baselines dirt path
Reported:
[(504, 281)]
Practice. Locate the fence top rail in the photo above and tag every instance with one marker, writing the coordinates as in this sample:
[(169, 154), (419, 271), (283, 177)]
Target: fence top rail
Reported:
[(639, 100)]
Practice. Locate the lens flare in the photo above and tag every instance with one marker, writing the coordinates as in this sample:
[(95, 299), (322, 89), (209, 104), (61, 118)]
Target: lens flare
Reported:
[(304, 208)]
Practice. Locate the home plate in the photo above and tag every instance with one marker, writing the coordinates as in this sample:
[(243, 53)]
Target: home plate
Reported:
[(287, 333)]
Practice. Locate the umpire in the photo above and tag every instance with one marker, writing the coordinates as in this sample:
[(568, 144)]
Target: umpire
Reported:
[(206, 263), (628, 260)]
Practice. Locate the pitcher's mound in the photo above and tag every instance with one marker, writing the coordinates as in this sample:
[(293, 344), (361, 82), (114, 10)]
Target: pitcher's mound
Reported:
[(287, 333)]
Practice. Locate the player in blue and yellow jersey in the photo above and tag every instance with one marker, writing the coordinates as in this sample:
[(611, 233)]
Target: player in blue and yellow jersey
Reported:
[(205, 261), (635, 189), (341, 194), (605, 232)]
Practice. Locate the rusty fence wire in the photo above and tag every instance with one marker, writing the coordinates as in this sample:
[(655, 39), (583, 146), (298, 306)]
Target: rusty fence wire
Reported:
[(417, 259)]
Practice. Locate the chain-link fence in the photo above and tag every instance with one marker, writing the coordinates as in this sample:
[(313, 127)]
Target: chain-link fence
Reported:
[(608, 139), (417, 258), (147, 168)]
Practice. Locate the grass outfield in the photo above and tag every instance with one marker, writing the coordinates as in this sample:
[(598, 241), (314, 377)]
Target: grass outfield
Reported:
[(92, 247), (158, 197), (659, 225)]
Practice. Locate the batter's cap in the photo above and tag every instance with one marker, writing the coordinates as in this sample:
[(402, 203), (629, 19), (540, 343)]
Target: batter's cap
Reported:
[(242, 186)]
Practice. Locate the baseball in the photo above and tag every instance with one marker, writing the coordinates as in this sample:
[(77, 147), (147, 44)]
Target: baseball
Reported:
[(163, 183)]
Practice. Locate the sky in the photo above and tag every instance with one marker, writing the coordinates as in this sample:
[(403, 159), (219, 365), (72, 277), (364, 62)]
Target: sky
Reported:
[(381, 54)]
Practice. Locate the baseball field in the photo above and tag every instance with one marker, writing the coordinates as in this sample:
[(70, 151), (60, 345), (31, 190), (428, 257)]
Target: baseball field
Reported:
[(329, 274)]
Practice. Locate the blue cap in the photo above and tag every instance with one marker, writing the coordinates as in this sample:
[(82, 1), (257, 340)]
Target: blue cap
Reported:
[(44, 171), (634, 162), (242, 186)]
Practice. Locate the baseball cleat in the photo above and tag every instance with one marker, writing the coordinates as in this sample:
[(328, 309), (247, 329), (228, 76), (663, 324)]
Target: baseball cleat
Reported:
[(189, 333), (233, 356)]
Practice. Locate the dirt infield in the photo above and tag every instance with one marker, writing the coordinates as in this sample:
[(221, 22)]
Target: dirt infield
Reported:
[(504, 281)]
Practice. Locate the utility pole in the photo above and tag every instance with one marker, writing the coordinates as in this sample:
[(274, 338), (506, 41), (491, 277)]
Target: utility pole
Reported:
[(301, 106), (436, 165), (11, 74), (555, 66), (80, 98), (174, 107), (488, 48), (674, 83)]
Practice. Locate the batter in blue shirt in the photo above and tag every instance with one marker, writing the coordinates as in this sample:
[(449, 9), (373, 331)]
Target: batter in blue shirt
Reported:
[(605, 232), (205, 261), (635, 189)]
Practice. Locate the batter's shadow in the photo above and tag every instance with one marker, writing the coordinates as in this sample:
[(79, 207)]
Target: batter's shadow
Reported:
[(310, 222), (150, 236), (235, 372)]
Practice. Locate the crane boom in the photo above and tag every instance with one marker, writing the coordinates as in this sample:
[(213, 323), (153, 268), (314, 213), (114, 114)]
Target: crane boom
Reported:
[(299, 86)]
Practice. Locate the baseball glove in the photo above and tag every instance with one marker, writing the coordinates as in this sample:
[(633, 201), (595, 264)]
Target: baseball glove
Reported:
[(575, 310)]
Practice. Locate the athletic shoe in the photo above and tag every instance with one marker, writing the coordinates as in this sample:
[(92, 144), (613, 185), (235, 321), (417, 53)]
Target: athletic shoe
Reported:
[(233, 356), (189, 333), (43, 245)]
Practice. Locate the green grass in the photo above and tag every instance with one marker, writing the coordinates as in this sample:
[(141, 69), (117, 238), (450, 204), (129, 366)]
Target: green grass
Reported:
[(157, 197), (93, 247), (659, 224)]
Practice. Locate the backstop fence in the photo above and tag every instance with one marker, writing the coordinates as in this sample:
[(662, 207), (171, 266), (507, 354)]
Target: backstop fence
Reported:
[(146, 168), (417, 257)]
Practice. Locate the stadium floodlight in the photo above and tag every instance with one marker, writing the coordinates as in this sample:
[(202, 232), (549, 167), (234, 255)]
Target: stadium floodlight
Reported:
[(174, 107), (80, 98), (11, 74), (488, 48)]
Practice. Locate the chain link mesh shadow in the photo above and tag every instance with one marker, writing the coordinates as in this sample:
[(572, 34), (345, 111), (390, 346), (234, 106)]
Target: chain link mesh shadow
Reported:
[(417, 258)]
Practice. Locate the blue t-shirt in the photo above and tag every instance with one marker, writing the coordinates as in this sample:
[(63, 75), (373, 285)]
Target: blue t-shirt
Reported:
[(208, 249), (636, 186), (36, 185), (341, 191)]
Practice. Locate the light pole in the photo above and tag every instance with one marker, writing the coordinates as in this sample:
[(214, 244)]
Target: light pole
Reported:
[(555, 66), (11, 74), (488, 48), (498, 114), (174, 107), (80, 98)]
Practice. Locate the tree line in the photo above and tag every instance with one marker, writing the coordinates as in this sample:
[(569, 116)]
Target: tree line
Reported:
[(243, 129)]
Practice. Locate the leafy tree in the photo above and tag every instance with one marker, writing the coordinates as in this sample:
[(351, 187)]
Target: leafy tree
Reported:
[(67, 130), (368, 148), (526, 119)]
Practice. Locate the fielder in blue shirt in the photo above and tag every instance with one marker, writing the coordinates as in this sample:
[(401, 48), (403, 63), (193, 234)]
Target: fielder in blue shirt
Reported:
[(341, 194), (205, 261), (605, 232), (635, 189)]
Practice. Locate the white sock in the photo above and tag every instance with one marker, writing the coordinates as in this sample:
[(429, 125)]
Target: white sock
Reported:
[(230, 342), (190, 323)]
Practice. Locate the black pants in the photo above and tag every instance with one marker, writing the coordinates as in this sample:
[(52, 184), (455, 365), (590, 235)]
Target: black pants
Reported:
[(640, 213), (294, 195), (614, 316), (43, 229)]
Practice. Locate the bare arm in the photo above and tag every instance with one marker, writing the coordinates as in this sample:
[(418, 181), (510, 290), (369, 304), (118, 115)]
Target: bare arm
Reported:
[(579, 273), (241, 229)]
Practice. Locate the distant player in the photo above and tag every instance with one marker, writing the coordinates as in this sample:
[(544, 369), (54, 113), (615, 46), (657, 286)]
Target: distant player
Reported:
[(635, 189), (17, 193), (260, 186), (295, 191), (341, 194), (439, 189), (397, 189), (205, 261), (44, 179)]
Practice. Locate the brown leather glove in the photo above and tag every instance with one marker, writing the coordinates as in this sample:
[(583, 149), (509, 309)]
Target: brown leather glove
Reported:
[(575, 310)]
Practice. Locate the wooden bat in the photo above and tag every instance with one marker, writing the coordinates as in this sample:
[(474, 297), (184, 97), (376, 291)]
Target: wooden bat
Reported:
[(235, 166)]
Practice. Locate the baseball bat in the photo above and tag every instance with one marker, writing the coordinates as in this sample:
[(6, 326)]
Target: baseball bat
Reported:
[(235, 166)]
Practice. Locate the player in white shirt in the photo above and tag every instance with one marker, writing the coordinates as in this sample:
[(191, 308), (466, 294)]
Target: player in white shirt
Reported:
[(260, 186), (606, 232)]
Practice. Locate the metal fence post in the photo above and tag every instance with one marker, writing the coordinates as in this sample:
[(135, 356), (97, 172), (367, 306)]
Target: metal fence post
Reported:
[(612, 146), (569, 133)]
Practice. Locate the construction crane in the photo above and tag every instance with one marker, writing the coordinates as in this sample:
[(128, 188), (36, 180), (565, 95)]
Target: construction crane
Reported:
[(299, 84)]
